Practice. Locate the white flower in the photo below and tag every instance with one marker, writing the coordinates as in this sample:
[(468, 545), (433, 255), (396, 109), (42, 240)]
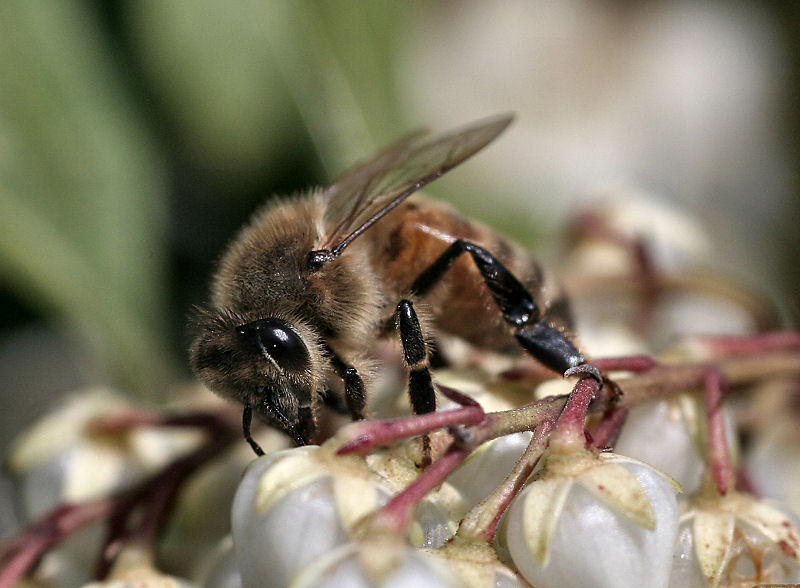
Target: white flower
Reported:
[(295, 506), (660, 433), (735, 540), (220, 569), (133, 568), (478, 565), (289, 510), (487, 466), (382, 562), (436, 517), (61, 458), (773, 462), (594, 520), (198, 519)]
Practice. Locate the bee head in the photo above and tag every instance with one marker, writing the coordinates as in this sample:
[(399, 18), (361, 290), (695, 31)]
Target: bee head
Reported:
[(270, 364)]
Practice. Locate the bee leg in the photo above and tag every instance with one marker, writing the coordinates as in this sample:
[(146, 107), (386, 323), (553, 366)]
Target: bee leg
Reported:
[(301, 432), (545, 343), (335, 402), (416, 355), (247, 418), (420, 386), (355, 395)]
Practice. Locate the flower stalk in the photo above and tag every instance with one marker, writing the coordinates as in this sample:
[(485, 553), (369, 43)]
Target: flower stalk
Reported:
[(480, 524), (569, 435), (135, 515)]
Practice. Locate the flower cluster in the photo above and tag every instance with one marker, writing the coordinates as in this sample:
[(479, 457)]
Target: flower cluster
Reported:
[(635, 480)]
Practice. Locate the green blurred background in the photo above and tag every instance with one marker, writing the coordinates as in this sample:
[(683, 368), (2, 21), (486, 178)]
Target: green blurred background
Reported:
[(136, 137)]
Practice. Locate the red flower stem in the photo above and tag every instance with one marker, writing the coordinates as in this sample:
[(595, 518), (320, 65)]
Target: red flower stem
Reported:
[(633, 363), (152, 501), (456, 396), (738, 345), (481, 522), (524, 418), (397, 514), (605, 434), (364, 436), (24, 551), (569, 434), (719, 459), (147, 503), (652, 383)]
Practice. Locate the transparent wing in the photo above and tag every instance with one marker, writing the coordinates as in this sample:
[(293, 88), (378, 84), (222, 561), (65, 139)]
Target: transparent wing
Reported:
[(368, 191)]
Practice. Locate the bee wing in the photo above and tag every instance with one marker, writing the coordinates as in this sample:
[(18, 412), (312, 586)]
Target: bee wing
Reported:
[(371, 189)]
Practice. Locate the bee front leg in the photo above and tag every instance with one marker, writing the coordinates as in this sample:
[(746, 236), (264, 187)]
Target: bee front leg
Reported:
[(355, 395), (247, 419)]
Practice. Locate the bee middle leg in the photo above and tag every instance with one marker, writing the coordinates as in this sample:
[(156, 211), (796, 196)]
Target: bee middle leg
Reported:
[(545, 343), (420, 385)]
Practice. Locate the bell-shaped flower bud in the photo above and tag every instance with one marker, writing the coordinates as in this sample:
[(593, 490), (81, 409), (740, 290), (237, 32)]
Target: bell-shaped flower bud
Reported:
[(594, 520)]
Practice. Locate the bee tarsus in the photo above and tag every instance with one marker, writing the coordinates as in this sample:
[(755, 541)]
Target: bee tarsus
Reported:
[(585, 369)]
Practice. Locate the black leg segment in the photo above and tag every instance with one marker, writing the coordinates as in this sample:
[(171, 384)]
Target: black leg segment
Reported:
[(545, 343), (247, 419), (420, 386), (549, 346), (515, 302), (355, 395)]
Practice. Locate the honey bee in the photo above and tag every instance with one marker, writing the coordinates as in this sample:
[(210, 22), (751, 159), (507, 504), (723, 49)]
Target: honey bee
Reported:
[(307, 288)]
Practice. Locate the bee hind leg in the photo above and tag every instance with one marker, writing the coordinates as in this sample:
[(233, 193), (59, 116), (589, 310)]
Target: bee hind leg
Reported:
[(544, 342)]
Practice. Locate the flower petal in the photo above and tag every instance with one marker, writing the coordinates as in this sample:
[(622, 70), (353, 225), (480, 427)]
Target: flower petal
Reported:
[(355, 497), (619, 489), (713, 537), (624, 459), (289, 470), (542, 509), (775, 525)]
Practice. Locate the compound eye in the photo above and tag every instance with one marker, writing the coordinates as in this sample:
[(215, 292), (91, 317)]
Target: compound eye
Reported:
[(276, 339)]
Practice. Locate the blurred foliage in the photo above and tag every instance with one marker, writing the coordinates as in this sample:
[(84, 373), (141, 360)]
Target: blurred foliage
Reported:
[(82, 209), (114, 115)]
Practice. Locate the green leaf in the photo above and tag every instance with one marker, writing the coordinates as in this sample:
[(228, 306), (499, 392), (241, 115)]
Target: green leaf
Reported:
[(81, 196)]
